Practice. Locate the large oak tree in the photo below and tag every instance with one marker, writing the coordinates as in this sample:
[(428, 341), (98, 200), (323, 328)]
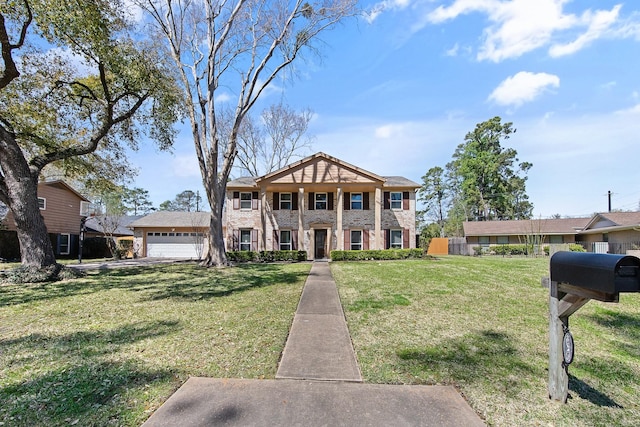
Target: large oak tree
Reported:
[(75, 89), (235, 47)]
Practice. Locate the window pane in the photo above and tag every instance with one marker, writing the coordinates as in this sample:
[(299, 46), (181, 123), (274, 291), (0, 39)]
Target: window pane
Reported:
[(245, 240), (356, 200), (285, 240), (285, 201), (245, 200), (396, 200), (396, 239), (42, 203), (503, 240), (356, 240), (321, 201)]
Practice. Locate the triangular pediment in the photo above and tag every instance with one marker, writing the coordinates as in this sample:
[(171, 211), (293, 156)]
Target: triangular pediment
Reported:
[(320, 169)]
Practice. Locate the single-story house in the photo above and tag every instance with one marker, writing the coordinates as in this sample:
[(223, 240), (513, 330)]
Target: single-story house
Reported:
[(612, 232), (320, 204), (166, 234)]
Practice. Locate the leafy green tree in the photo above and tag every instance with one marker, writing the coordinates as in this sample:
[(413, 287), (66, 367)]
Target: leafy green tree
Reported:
[(54, 110), (136, 201), (186, 201), (237, 47), (487, 178), (435, 194)]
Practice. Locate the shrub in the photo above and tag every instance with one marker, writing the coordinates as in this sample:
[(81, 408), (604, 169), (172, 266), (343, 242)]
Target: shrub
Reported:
[(266, 256), (40, 275), (387, 254), (477, 250), (575, 247)]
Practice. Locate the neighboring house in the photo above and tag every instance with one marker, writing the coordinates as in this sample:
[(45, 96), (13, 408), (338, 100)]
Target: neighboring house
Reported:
[(320, 204), (171, 234), (613, 232), (94, 228), (554, 231), (62, 209)]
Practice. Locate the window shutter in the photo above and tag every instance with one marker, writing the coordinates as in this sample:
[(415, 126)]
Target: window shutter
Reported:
[(294, 201), (254, 240), (276, 201), (312, 201), (405, 238), (346, 200), (365, 240), (294, 240), (365, 201), (236, 200), (276, 240), (330, 201), (235, 244), (254, 200), (347, 239), (387, 202), (387, 238), (405, 200)]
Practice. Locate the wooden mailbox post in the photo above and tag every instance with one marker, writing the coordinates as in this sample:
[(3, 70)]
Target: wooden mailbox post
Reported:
[(575, 279)]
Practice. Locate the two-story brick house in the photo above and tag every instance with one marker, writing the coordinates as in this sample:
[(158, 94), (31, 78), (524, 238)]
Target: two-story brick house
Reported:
[(320, 204)]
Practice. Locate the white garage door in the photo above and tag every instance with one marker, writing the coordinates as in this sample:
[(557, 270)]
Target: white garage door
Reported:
[(175, 245)]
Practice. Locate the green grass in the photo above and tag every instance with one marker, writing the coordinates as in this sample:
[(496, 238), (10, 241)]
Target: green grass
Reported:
[(110, 348), (481, 324)]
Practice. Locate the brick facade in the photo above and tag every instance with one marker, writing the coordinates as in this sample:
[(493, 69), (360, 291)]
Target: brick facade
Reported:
[(310, 202)]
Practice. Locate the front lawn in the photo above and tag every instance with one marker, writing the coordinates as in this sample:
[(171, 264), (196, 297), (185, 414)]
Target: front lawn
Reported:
[(481, 324), (110, 348)]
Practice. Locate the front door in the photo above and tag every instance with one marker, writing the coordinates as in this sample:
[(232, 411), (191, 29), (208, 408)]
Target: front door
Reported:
[(321, 243)]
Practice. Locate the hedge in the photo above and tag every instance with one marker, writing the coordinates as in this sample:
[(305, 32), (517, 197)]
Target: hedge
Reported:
[(387, 254), (266, 256)]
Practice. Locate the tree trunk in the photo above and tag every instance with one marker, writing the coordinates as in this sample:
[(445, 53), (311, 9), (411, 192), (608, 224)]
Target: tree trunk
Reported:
[(216, 255), (20, 191)]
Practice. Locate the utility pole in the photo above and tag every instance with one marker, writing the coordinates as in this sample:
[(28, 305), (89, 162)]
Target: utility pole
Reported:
[(609, 197)]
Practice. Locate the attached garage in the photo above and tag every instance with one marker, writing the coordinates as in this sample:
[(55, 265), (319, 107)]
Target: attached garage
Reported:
[(172, 235), (175, 244)]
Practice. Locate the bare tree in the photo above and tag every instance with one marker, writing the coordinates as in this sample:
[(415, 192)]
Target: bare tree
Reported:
[(238, 47), (274, 141)]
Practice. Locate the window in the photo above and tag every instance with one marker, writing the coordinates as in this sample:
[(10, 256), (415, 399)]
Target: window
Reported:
[(396, 239), (245, 200), (503, 240), (245, 240), (483, 240), (396, 200), (84, 208), (356, 240), (63, 244), (321, 201), (285, 201), (42, 203), (356, 201), (285, 240), (556, 239)]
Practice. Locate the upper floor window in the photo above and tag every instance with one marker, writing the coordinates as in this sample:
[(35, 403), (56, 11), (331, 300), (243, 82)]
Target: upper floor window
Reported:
[(356, 201), (245, 200), (84, 208), (321, 201), (396, 200), (42, 203), (285, 201)]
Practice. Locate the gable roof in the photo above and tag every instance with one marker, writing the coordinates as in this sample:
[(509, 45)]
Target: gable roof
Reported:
[(547, 227), (92, 224), (611, 221), (173, 219), (321, 168), (63, 185)]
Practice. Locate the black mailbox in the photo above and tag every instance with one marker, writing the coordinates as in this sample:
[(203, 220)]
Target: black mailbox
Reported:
[(599, 272)]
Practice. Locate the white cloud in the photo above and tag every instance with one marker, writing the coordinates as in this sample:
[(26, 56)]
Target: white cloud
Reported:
[(383, 6), (523, 87), (520, 26), (635, 110), (598, 24), (453, 51)]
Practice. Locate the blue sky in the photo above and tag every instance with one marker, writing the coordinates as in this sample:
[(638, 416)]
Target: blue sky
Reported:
[(395, 94)]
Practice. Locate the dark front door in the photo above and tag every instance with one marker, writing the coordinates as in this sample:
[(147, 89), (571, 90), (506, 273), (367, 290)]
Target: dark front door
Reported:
[(321, 243)]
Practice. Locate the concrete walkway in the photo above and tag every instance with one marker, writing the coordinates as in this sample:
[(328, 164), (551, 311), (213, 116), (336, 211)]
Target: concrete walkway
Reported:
[(318, 383)]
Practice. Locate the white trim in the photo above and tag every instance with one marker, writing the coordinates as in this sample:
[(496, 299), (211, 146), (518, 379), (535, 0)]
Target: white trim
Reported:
[(44, 203), (250, 201), (280, 243), (68, 251), (289, 202), (360, 244), (361, 201), (391, 238), (325, 201), (391, 201)]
